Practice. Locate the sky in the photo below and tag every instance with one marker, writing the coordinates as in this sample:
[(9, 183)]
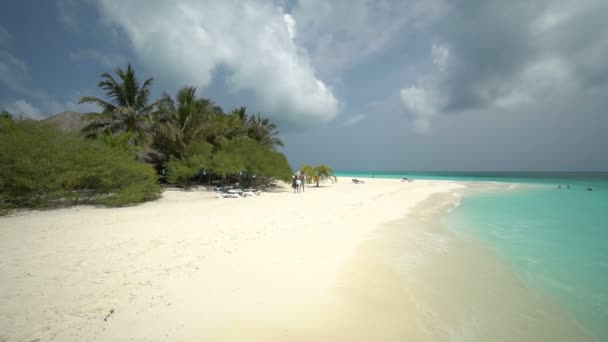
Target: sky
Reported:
[(411, 85)]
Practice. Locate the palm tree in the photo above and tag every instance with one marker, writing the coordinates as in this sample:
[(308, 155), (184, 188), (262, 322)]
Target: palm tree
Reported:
[(181, 122), (264, 131), (126, 111), (319, 173)]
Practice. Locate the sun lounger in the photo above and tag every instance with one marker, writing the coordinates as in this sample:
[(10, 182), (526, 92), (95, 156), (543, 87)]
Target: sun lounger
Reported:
[(231, 195), (356, 181)]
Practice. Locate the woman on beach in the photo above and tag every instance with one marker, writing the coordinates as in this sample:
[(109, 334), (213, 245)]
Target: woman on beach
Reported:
[(302, 181)]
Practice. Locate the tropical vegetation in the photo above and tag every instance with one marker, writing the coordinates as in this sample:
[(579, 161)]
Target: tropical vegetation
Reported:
[(319, 173), (41, 166), (132, 145), (127, 111)]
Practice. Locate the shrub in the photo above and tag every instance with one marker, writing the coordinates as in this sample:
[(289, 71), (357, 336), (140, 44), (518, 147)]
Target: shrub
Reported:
[(41, 166), (251, 158), (181, 171)]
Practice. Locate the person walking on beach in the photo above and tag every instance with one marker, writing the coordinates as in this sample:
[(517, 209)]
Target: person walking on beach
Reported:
[(298, 184), (294, 183), (303, 181)]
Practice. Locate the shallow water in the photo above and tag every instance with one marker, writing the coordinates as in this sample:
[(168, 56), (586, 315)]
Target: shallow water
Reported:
[(554, 238), (468, 293)]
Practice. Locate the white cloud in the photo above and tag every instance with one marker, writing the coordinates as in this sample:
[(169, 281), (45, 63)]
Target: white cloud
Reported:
[(440, 55), (23, 108), (291, 25), (106, 59), (35, 103), (185, 42), (422, 104), (353, 120)]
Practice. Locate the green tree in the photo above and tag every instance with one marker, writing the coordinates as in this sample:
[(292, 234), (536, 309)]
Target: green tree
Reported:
[(180, 130), (182, 171), (263, 131), (317, 174), (127, 109), (6, 115), (250, 161), (181, 122)]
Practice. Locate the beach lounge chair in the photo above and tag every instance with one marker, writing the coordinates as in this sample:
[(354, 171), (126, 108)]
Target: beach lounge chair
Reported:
[(356, 181), (231, 195), (248, 193)]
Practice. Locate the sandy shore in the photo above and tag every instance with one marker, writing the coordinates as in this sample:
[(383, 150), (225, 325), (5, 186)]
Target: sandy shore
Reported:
[(190, 266)]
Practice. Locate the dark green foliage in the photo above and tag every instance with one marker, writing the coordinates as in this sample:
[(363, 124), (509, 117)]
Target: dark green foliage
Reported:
[(182, 171), (126, 110), (41, 166), (247, 158), (193, 134), (188, 133), (6, 115)]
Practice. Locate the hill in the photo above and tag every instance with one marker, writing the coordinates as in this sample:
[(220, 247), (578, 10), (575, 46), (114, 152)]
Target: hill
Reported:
[(67, 121)]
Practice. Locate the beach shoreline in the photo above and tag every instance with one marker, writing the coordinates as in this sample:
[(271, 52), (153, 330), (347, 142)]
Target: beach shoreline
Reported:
[(191, 266), (186, 263)]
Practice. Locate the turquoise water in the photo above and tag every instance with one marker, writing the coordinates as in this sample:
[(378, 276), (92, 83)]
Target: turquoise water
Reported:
[(555, 239)]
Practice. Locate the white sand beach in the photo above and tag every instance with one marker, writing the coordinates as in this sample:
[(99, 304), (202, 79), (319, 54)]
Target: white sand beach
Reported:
[(341, 262), (189, 265)]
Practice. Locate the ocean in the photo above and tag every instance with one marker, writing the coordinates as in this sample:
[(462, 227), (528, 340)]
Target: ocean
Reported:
[(550, 230)]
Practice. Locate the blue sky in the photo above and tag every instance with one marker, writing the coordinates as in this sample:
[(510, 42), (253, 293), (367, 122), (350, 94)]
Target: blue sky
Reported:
[(358, 84)]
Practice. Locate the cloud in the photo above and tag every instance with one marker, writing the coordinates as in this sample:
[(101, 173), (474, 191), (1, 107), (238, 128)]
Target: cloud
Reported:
[(291, 25), (106, 59), (23, 108), (440, 55), (422, 104), (340, 34), (34, 102), (487, 60), (187, 41), (353, 120)]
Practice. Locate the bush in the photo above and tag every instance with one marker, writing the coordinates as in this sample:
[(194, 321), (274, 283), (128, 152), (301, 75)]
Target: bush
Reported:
[(41, 166), (251, 158), (181, 171)]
